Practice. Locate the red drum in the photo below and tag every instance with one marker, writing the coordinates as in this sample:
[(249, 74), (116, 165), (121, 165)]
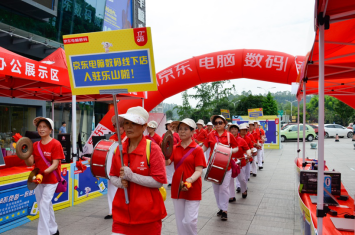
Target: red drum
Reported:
[(218, 163), (101, 158)]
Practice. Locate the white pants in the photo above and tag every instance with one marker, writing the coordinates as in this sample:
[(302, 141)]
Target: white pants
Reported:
[(254, 167), (186, 213), (247, 171), (262, 152), (207, 156), (221, 192), (46, 223), (232, 187), (111, 192), (260, 157), (170, 172), (243, 179)]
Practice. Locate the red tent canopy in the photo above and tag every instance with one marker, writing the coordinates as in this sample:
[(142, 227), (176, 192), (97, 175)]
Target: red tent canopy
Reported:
[(47, 80), (339, 51)]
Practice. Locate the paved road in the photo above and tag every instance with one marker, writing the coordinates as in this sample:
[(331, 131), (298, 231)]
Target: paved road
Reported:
[(269, 208)]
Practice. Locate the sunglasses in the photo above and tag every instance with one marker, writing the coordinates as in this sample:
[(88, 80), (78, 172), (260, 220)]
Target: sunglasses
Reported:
[(218, 123)]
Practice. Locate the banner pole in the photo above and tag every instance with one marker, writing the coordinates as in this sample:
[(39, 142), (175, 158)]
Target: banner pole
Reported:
[(119, 141)]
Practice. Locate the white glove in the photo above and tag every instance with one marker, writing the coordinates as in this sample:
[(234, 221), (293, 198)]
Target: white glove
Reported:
[(234, 150), (146, 181), (116, 181)]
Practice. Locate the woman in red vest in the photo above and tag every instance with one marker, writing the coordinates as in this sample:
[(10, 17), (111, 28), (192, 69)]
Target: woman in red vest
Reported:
[(189, 161), (152, 125), (170, 169), (244, 151), (142, 178), (52, 151), (221, 135)]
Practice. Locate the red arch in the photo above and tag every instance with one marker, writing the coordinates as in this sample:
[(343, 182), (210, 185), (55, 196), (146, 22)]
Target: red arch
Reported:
[(261, 65)]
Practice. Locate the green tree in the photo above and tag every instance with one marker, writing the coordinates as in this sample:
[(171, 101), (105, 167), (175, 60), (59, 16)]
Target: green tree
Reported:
[(344, 112), (185, 110), (248, 102), (269, 105), (169, 115)]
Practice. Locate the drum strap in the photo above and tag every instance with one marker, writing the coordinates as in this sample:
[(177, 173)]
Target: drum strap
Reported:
[(228, 138), (147, 149), (184, 157), (151, 138)]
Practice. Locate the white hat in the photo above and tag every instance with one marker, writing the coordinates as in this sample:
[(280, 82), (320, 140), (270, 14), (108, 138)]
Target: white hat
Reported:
[(233, 125), (153, 124), (136, 114), (256, 121), (220, 116), (187, 121), (243, 126), (37, 119), (168, 122), (209, 124), (200, 121), (259, 123), (251, 122)]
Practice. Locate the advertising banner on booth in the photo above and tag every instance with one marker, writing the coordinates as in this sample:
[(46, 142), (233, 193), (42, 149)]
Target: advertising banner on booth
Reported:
[(119, 59), (255, 113)]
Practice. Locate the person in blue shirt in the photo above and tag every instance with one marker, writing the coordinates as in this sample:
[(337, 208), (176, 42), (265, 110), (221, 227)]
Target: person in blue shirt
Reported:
[(63, 129)]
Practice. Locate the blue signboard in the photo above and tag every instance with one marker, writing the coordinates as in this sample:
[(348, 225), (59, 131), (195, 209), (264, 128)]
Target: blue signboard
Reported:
[(114, 68), (16, 203), (118, 15)]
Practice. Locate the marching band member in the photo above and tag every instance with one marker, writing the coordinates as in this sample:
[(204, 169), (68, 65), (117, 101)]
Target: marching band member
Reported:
[(255, 139), (52, 151), (152, 125), (209, 127), (189, 161), (263, 137), (221, 135), (144, 213), (245, 164), (170, 168), (200, 134), (257, 135), (111, 189), (241, 181)]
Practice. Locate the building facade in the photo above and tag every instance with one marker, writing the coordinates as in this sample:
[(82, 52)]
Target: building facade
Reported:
[(34, 29)]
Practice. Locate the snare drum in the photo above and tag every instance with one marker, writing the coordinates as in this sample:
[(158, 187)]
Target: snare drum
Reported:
[(101, 159), (218, 163)]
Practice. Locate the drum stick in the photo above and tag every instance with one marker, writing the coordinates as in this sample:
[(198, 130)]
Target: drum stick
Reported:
[(119, 141)]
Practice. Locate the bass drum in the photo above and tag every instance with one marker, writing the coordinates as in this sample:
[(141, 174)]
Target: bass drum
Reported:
[(101, 159), (218, 163)]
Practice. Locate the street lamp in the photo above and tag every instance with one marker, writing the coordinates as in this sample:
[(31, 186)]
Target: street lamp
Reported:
[(235, 103), (291, 106), (266, 91)]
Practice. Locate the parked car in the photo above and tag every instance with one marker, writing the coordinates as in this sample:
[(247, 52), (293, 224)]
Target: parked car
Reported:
[(315, 127), (290, 133), (333, 129)]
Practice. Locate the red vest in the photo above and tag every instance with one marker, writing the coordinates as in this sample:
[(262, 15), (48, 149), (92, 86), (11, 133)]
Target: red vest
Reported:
[(146, 204)]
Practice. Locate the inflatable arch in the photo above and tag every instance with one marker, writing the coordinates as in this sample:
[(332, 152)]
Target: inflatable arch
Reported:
[(262, 65), (270, 66)]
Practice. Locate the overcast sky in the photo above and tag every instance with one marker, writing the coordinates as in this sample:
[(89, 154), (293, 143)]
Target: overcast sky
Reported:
[(186, 28)]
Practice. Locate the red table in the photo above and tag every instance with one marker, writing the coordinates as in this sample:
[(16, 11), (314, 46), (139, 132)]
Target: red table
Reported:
[(328, 227)]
